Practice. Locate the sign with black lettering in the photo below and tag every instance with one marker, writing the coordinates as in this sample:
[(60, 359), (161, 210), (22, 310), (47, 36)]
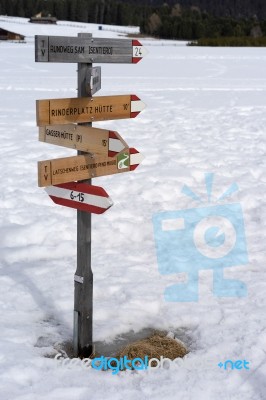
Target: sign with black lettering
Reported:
[(87, 109), (87, 50), (78, 168), (83, 138)]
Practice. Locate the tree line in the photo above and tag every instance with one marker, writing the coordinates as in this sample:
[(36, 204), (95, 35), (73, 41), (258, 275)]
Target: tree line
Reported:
[(187, 19), (112, 12), (191, 24)]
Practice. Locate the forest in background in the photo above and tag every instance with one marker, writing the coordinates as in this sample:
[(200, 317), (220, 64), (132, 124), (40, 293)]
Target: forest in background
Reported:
[(185, 20)]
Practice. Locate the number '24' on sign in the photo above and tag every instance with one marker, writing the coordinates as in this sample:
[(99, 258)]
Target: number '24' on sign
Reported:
[(137, 51)]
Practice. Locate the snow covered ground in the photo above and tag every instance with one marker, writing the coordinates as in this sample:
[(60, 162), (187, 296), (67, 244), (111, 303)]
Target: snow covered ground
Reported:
[(206, 112)]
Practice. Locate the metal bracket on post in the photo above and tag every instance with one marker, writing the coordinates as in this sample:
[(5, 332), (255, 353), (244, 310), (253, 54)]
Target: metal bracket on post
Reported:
[(83, 295), (93, 80)]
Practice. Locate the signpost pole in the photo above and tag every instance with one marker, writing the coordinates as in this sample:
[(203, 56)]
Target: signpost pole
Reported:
[(83, 280)]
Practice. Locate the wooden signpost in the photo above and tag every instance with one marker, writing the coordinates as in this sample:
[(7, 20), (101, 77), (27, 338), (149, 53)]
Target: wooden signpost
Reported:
[(87, 109), (100, 152), (87, 50), (84, 138)]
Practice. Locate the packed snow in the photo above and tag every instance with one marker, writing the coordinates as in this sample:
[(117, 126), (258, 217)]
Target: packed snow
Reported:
[(205, 113)]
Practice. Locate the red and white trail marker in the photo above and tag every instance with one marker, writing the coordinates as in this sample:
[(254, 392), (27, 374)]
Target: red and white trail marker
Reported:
[(135, 158), (139, 51), (116, 143), (136, 106), (88, 198)]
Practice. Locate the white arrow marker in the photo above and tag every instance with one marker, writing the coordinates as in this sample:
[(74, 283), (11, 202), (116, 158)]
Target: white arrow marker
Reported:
[(136, 106), (116, 143), (138, 51), (135, 158)]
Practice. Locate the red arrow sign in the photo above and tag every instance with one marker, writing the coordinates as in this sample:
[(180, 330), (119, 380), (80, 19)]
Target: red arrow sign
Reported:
[(89, 198)]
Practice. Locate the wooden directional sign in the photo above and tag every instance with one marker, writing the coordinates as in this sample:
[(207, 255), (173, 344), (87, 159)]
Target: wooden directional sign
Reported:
[(89, 198), (93, 80), (77, 168), (87, 50), (83, 138), (87, 109)]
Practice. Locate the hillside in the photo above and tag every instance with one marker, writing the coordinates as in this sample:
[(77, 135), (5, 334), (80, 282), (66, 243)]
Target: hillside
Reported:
[(186, 20), (219, 8), (93, 9)]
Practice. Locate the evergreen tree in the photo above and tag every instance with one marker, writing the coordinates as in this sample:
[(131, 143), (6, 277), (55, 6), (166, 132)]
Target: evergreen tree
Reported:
[(95, 13), (72, 10), (60, 10), (10, 7), (82, 11), (20, 11), (175, 19)]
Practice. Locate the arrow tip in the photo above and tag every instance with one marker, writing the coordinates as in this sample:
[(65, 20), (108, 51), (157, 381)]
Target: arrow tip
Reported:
[(136, 106), (139, 51), (135, 158), (116, 143)]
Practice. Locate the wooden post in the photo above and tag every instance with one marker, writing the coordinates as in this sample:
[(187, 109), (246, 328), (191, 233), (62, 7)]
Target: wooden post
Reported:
[(83, 280)]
